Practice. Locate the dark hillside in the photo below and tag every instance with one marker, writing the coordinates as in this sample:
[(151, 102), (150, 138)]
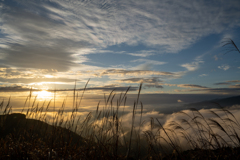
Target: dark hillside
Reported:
[(17, 123), (24, 138)]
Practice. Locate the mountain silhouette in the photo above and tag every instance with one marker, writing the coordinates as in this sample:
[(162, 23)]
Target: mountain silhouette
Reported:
[(215, 103)]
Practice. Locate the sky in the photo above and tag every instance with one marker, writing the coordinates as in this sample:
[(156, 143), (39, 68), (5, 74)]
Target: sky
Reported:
[(172, 47)]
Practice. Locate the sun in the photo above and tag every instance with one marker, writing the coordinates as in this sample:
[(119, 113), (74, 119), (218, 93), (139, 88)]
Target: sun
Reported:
[(44, 95)]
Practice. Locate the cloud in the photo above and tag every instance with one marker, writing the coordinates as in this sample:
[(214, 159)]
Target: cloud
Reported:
[(59, 34), (13, 75), (235, 86), (36, 41), (128, 73), (124, 72), (172, 26), (232, 90), (166, 84), (16, 89), (219, 90), (38, 57), (144, 66), (38, 80), (222, 83), (153, 62), (203, 75), (103, 88), (185, 120), (153, 82), (224, 67), (46, 31), (227, 82), (183, 126), (143, 53), (153, 86), (191, 86), (234, 81), (192, 66), (126, 119), (147, 65), (141, 80)]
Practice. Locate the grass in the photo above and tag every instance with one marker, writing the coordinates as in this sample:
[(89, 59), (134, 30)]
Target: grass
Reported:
[(42, 133)]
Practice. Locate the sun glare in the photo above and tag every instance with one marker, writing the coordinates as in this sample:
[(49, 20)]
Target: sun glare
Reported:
[(43, 95)]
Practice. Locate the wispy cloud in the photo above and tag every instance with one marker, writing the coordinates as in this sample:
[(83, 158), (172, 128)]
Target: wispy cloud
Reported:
[(108, 88), (141, 80), (13, 75), (153, 62), (235, 86), (153, 86), (147, 64), (203, 75), (234, 81), (153, 82), (222, 83), (227, 82), (231, 91), (16, 89), (44, 32), (136, 73), (143, 53), (193, 65), (224, 67), (191, 86)]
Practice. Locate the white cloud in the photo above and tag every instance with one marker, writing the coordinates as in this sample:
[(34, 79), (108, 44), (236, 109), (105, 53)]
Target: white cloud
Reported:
[(171, 26), (143, 53), (147, 65), (203, 75), (153, 62), (193, 65), (224, 67)]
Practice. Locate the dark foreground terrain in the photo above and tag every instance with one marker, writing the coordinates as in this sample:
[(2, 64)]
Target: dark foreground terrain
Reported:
[(22, 138)]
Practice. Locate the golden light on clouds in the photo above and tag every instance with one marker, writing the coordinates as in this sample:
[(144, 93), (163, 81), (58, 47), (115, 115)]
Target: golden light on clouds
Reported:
[(49, 76)]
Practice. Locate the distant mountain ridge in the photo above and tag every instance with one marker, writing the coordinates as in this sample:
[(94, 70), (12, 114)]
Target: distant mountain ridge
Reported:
[(215, 103)]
